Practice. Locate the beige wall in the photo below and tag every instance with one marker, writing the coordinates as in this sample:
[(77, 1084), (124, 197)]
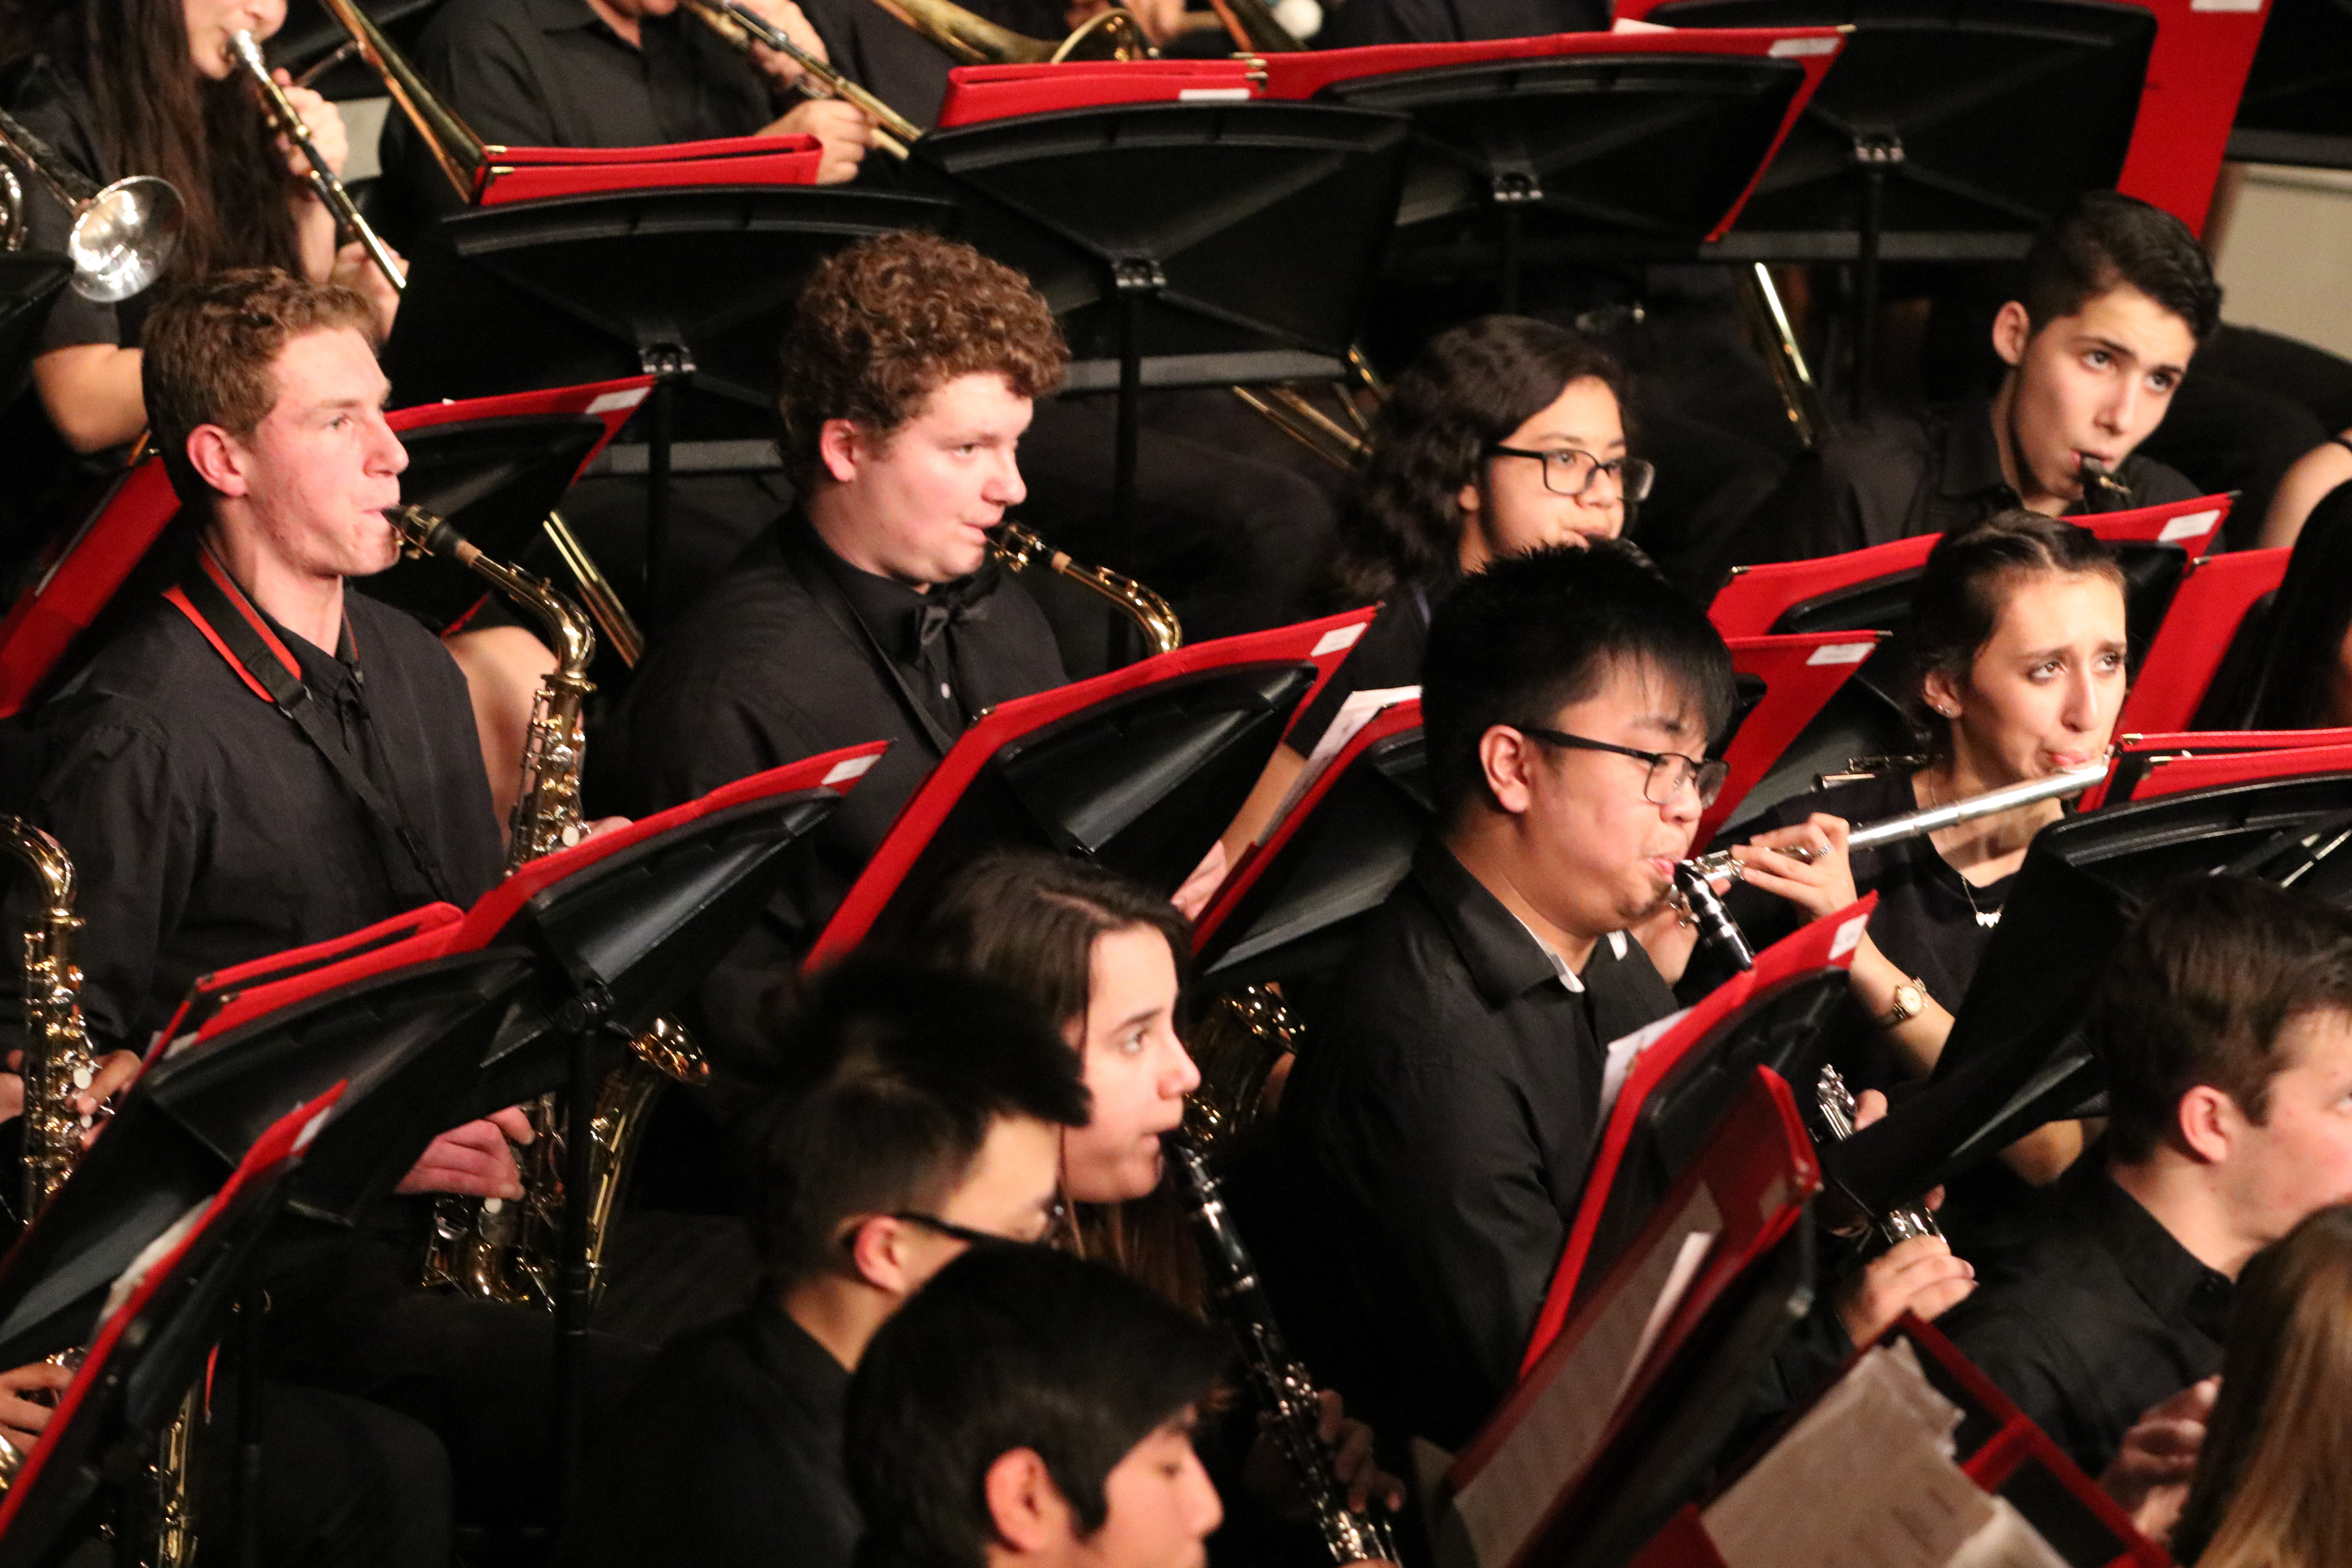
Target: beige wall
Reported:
[(2285, 256)]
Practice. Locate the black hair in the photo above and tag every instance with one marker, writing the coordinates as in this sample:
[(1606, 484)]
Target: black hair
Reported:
[(1028, 919), (2104, 239), (1958, 602), (892, 1077), (1471, 387), (2308, 620), (1009, 1348), (1533, 632), (2198, 992)]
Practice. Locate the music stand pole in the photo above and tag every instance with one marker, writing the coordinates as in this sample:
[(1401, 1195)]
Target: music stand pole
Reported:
[(1873, 155), (250, 1310)]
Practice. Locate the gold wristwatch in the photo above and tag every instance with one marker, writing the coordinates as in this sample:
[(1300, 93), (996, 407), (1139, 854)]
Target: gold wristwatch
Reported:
[(1910, 1001)]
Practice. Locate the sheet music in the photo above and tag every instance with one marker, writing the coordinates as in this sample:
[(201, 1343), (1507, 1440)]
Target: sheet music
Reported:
[(1359, 709), (1866, 1480), (1622, 1053), (2007, 1541), (1504, 1503)]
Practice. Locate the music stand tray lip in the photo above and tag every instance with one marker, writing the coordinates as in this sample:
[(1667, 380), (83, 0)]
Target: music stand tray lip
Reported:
[(1244, 367)]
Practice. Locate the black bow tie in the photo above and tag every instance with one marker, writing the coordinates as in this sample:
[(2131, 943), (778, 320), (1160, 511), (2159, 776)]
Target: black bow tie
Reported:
[(942, 609)]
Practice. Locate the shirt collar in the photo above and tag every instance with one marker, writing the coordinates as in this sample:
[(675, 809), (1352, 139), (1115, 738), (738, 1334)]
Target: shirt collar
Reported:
[(1972, 453), (1506, 959), (2163, 1274), (794, 1356), (893, 611)]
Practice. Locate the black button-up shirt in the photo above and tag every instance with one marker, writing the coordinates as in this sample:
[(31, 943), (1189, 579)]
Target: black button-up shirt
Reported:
[(731, 1455), (205, 827), (1896, 475), (1443, 1123), (2102, 1315), (793, 653)]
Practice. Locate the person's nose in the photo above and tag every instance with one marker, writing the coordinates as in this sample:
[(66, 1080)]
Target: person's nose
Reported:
[(1004, 486), (386, 455), (1183, 1074)]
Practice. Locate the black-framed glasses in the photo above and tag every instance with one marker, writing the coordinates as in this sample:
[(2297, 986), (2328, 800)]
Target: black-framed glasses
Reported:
[(1569, 472), (1669, 771), (965, 1233)]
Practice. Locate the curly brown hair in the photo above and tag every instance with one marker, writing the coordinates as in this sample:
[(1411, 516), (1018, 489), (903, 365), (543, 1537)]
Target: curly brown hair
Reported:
[(886, 322), (209, 349)]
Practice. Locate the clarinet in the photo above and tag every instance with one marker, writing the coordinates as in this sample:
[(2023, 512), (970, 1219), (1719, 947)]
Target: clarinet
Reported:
[(1283, 1386), (2102, 491), (1836, 1102)]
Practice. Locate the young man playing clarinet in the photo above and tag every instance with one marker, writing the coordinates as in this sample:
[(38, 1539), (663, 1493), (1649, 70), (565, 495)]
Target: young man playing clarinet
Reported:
[(1441, 1127), (2117, 296)]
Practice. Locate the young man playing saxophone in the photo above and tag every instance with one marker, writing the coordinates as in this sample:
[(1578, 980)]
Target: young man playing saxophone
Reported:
[(258, 759)]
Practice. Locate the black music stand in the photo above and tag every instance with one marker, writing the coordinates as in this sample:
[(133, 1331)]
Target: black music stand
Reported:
[(1170, 239), (1946, 132), (2015, 1058), (1572, 158), (29, 280), (692, 285), (2297, 107), (495, 480)]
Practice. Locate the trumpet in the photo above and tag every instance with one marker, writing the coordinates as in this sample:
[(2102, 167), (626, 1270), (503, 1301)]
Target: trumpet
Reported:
[(123, 235), (330, 191), (742, 26), (1930, 819)]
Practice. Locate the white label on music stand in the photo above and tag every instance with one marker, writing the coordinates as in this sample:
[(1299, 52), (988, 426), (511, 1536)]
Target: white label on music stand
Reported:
[(2189, 526), (1841, 653)]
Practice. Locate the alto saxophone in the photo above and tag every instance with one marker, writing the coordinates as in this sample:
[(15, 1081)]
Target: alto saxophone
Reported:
[(1153, 617), (58, 1065), (1283, 1386), (485, 1248)]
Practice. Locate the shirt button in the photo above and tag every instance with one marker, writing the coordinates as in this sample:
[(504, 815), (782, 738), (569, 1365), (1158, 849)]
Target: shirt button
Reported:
[(943, 689)]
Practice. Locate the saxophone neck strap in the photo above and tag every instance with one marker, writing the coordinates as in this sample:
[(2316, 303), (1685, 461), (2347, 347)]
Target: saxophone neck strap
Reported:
[(236, 630)]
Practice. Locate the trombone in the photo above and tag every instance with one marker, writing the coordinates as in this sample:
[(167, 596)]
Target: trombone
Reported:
[(973, 40), (742, 26), (330, 191), (123, 235)]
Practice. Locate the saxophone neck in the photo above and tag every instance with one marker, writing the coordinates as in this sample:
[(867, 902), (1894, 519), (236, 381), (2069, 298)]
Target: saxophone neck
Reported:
[(568, 626)]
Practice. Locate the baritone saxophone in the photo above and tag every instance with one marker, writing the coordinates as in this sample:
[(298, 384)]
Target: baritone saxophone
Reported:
[(485, 1248)]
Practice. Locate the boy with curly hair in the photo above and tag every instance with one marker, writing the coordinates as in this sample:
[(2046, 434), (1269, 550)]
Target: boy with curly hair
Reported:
[(873, 610)]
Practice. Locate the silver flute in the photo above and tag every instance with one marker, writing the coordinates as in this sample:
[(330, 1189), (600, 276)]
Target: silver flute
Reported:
[(1931, 819)]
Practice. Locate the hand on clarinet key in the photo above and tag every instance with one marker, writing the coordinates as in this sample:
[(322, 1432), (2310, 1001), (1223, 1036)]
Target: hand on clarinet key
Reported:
[(1350, 1443), (477, 1159), (28, 1397), (2151, 1472), (1920, 1275)]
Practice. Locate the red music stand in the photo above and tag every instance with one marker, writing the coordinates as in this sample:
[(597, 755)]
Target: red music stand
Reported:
[(1754, 600), (2139, 757), (163, 1313), (1138, 770), (1653, 1072), (482, 463), (1998, 1448), (1546, 1479), (1799, 675), (512, 174), (2327, 751), (2205, 618)]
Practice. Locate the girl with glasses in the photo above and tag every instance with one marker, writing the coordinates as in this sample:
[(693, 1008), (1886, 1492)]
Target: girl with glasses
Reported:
[(1506, 435)]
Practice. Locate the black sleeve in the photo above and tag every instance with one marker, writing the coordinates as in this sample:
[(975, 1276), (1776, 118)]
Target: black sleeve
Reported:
[(113, 801), (58, 117), (2156, 484)]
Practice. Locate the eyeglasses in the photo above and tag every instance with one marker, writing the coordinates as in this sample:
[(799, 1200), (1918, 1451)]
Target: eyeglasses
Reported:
[(1670, 772), (1569, 472), (965, 1234)]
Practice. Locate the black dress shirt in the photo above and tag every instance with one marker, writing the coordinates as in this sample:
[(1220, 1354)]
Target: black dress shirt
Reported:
[(1896, 475), (205, 827), (1441, 1123), (793, 653), (2100, 1317), (730, 1457)]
